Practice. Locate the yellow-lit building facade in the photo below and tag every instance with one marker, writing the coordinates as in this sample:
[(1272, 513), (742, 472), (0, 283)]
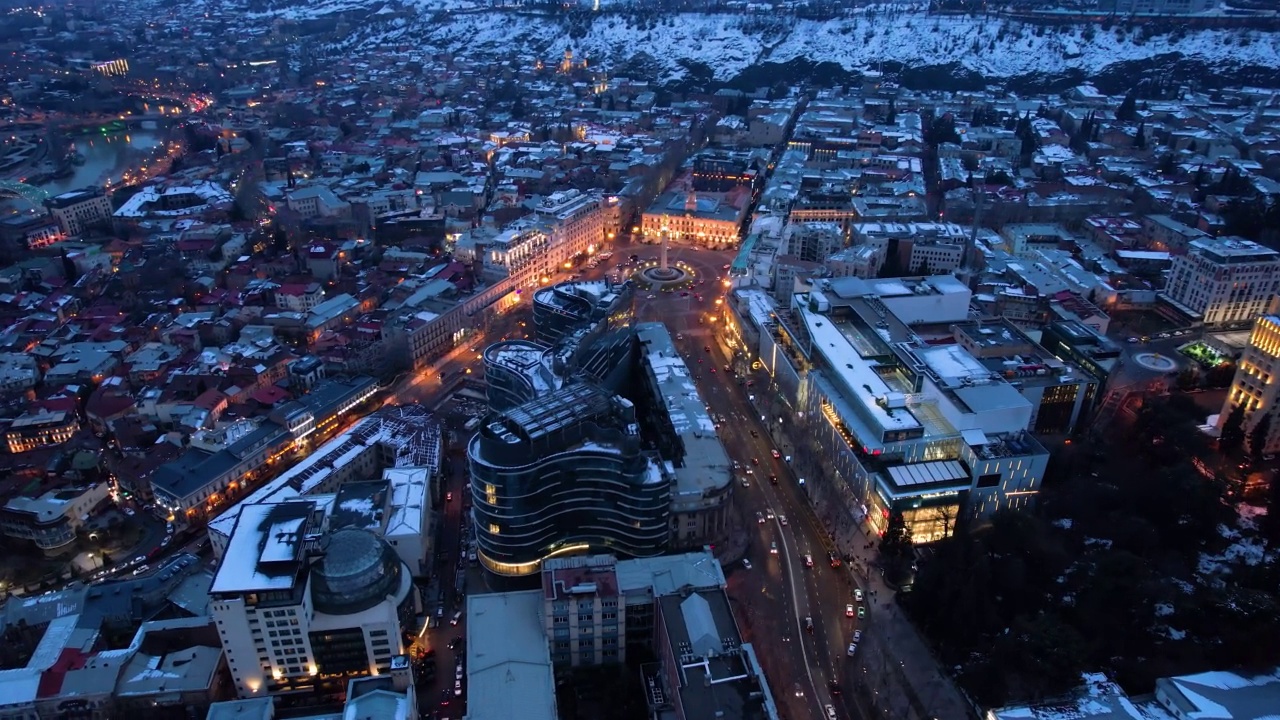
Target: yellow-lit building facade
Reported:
[(1254, 386)]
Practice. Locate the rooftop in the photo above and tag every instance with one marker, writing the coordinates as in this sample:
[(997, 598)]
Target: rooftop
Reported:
[(508, 661), (719, 677)]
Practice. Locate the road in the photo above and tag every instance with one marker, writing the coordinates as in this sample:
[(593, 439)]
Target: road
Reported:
[(774, 598)]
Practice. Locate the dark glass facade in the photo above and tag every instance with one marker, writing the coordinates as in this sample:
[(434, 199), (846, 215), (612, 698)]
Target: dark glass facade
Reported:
[(565, 474)]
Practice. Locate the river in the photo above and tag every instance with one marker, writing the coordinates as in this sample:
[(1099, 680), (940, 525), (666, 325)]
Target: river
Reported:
[(106, 156)]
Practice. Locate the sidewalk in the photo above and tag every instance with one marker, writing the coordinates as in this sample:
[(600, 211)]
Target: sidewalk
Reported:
[(910, 684)]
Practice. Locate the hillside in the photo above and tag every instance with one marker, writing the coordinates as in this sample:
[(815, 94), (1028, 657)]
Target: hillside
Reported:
[(667, 46)]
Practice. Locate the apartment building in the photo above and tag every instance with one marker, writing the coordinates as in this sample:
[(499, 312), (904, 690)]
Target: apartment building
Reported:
[(78, 209), (1223, 281), (302, 608)]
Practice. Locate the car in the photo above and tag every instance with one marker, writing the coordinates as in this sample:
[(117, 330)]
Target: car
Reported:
[(448, 497), (773, 479), (760, 518), (834, 687), (141, 569), (139, 559), (799, 690), (457, 687), (808, 560), (848, 610), (684, 294), (782, 519), (130, 512), (862, 611), (165, 542), (706, 348), (1133, 339), (726, 267), (768, 513), (455, 643), (857, 636), (831, 712), (651, 296), (745, 482), (456, 617), (857, 595), (440, 612), (755, 461), (851, 650), (457, 672), (834, 559), (775, 454), (749, 471), (746, 563), (773, 548), (755, 434), (808, 625), (679, 336), (713, 371)]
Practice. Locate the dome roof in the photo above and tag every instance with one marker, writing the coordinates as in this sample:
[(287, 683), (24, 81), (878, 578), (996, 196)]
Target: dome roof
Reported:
[(358, 570)]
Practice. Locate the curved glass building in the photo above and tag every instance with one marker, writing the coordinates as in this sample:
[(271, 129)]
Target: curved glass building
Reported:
[(565, 474), (517, 371)]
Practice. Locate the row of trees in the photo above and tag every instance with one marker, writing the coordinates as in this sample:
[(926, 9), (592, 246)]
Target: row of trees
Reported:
[(1106, 575)]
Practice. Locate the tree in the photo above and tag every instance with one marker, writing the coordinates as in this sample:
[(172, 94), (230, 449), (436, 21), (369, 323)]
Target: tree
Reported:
[(517, 108), (1271, 521), (1258, 437), (1232, 436), (896, 548), (1140, 140), (892, 117), (1128, 109)]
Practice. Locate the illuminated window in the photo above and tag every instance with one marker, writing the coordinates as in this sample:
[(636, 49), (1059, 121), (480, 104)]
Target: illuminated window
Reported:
[(493, 528)]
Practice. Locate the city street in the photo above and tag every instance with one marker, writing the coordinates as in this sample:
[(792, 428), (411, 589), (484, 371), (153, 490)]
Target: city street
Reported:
[(773, 599)]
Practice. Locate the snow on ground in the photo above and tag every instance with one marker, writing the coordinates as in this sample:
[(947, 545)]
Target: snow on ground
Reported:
[(1247, 550), (728, 44), (1250, 514), (1164, 609)]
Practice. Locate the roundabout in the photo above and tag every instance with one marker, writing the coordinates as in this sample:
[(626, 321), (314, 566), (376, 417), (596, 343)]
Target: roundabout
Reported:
[(1155, 362), (663, 275)]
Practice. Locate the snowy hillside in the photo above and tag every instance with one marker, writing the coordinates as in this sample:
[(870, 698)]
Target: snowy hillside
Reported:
[(727, 44)]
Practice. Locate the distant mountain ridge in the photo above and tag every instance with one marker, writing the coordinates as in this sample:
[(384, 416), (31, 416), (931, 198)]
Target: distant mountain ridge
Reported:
[(668, 46)]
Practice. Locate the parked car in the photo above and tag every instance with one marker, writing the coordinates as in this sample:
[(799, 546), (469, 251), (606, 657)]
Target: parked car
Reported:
[(746, 563)]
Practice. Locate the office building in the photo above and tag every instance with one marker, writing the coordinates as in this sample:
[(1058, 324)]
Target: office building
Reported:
[(1223, 281), (707, 219), (902, 425), (813, 241), (704, 669), (685, 436), (1060, 392), (509, 671), (565, 308), (52, 520), (382, 473), (78, 209), (594, 610), (574, 222), (224, 462), (598, 608), (565, 473), (1255, 384), (39, 429), (304, 608)]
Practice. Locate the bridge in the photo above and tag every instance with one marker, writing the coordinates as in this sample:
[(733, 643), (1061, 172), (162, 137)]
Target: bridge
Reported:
[(30, 193)]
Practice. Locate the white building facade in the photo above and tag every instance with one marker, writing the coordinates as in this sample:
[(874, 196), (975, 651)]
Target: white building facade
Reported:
[(1223, 281)]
